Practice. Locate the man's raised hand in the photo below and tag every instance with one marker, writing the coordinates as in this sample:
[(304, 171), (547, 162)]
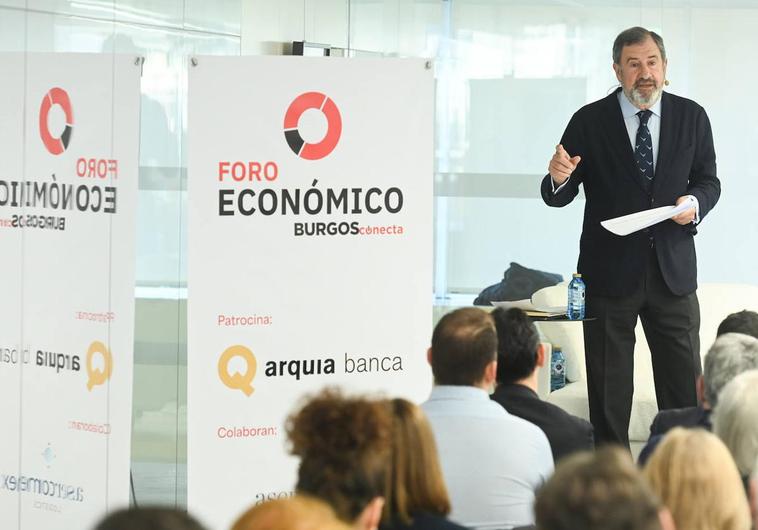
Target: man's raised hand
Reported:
[(562, 165)]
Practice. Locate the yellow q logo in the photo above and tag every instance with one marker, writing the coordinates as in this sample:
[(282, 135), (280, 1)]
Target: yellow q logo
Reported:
[(97, 377), (238, 381)]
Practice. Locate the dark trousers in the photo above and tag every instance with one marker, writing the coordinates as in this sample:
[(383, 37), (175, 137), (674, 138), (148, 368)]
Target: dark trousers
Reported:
[(672, 326)]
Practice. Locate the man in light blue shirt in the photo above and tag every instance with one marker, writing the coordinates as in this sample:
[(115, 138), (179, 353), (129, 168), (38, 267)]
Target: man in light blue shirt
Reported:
[(492, 461)]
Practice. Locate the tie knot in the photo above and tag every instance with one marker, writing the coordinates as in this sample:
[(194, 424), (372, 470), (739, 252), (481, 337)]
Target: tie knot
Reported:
[(644, 116)]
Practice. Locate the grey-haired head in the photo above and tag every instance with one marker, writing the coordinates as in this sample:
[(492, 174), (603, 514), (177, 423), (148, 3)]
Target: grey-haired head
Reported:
[(636, 35)]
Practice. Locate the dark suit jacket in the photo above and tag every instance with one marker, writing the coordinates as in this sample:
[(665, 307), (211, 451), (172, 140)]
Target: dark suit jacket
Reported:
[(566, 433), (666, 420), (614, 265)]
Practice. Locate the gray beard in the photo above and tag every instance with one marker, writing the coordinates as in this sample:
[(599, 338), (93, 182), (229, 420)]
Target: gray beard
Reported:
[(639, 100)]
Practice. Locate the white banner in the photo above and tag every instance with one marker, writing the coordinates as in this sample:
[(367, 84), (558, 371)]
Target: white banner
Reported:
[(310, 255), (69, 136)]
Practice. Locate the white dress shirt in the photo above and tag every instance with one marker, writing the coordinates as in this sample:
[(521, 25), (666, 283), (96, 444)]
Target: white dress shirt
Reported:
[(492, 461)]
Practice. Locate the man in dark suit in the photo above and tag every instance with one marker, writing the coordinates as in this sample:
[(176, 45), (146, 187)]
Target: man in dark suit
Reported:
[(725, 360), (730, 355), (519, 355), (636, 149)]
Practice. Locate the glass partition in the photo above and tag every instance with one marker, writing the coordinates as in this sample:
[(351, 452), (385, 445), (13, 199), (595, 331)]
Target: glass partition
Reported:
[(509, 75)]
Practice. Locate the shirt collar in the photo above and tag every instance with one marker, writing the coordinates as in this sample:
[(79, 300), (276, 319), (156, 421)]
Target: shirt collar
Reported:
[(628, 109), (458, 392)]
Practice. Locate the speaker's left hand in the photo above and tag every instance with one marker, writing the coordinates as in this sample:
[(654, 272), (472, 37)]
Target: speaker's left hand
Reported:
[(687, 216)]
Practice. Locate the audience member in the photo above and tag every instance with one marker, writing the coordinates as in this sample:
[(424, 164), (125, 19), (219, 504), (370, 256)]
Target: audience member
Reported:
[(492, 461), (519, 356), (296, 513), (735, 420), (599, 491), (154, 518), (416, 497), (744, 321), (730, 355), (344, 445), (696, 478)]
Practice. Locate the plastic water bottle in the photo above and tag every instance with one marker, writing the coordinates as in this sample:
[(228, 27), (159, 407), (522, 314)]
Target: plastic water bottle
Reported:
[(557, 369), (576, 298)]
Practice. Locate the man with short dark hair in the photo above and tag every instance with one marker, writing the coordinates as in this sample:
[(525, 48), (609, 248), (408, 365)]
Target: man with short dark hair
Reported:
[(636, 149), (730, 358), (492, 462), (519, 356), (599, 491), (730, 355), (464, 344), (744, 321)]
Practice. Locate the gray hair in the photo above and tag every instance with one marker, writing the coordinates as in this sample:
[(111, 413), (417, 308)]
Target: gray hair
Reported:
[(636, 35), (735, 420), (730, 355)]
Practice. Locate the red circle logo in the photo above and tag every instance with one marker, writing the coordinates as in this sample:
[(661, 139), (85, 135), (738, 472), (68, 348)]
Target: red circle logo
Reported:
[(312, 100), (56, 96)]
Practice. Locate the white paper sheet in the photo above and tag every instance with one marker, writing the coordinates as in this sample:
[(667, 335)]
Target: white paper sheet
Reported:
[(628, 224), (524, 304)]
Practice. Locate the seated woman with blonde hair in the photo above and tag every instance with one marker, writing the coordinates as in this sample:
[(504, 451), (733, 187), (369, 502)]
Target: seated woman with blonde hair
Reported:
[(416, 496), (696, 478)]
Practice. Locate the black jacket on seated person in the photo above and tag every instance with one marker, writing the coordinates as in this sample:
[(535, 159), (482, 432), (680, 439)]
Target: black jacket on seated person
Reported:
[(666, 420), (566, 433)]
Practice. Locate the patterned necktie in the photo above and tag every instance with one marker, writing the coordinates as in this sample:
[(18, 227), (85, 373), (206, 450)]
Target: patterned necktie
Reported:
[(643, 149)]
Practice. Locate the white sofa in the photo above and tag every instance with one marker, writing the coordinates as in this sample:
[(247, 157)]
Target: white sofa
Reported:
[(717, 300)]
